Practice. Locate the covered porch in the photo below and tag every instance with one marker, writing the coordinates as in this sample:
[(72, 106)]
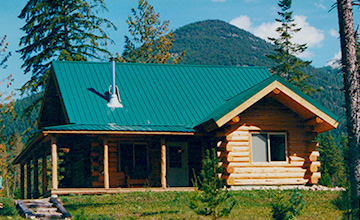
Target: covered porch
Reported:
[(59, 163)]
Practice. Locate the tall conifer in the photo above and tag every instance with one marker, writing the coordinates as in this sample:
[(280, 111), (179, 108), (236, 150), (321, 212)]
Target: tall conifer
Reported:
[(150, 39), (60, 30), (288, 65)]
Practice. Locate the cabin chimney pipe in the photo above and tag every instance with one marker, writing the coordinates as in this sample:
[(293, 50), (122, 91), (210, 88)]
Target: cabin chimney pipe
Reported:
[(114, 101), (113, 87)]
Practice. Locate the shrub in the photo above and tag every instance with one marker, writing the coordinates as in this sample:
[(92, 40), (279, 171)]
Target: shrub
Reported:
[(283, 209), (211, 196), (9, 208)]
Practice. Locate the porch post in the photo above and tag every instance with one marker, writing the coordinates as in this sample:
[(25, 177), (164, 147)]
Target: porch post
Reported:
[(44, 174), (106, 164), (54, 164), (22, 181), (28, 180), (36, 177), (163, 163)]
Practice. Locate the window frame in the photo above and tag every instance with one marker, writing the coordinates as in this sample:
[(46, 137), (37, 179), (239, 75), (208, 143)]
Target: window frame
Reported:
[(119, 168), (268, 134)]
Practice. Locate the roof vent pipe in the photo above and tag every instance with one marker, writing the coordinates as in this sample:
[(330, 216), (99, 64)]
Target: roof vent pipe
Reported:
[(114, 101)]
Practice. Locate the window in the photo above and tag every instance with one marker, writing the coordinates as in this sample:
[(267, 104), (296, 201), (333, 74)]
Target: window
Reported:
[(268, 147), (133, 158)]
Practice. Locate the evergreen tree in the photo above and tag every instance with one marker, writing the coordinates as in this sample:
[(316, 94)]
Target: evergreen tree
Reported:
[(288, 65), (286, 209), (150, 39), (332, 163), (211, 196), (60, 30)]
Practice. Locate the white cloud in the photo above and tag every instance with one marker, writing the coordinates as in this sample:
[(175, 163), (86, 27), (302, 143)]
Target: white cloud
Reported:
[(242, 22), (319, 5), (335, 61), (308, 35), (334, 33)]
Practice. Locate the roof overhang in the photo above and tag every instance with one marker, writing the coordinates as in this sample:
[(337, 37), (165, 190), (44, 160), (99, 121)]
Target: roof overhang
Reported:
[(284, 92), (116, 132)]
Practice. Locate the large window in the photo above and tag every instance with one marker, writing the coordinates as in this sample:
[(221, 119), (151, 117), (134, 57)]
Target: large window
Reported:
[(268, 147), (133, 158)]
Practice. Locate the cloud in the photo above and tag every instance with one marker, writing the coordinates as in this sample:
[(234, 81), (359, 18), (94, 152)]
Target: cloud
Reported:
[(335, 61), (242, 22), (319, 5), (334, 33), (308, 35)]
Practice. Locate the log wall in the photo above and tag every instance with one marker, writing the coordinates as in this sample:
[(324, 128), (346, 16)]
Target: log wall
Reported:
[(269, 115), (117, 178)]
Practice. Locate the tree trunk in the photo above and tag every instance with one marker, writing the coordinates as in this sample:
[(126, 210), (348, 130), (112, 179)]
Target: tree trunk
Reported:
[(351, 86)]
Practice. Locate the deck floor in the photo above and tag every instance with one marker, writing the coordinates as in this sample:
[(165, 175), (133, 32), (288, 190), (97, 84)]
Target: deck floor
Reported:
[(66, 191)]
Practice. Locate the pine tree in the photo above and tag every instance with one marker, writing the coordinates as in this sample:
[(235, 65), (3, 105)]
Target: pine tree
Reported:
[(211, 197), (150, 39), (332, 163), (288, 65), (60, 30)]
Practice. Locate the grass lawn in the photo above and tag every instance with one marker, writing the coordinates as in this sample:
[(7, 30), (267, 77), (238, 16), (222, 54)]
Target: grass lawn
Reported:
[(174, 205)]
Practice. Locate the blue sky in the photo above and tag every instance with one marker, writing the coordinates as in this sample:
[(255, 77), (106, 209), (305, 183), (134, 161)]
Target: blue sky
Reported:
[(320, 27)]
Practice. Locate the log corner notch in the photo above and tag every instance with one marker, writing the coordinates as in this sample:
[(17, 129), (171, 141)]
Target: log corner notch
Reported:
[(313, 164)]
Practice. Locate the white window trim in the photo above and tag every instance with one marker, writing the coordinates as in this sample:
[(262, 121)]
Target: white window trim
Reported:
[(268, 148)]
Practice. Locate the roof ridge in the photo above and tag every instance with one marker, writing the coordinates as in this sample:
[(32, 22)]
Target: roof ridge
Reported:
[(163, 64)]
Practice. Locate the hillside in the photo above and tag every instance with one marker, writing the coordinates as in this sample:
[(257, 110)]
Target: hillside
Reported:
[(214, 42)]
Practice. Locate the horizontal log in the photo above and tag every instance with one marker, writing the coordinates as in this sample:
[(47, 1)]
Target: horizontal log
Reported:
[(270, 175), (234, 137), (296, 158), (292, 181), (314, 179), (314, 156), (246, 170), (239, 154), (314, 121), (237, 159)]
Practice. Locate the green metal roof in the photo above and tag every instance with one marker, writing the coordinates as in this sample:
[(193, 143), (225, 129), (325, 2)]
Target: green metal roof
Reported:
[(156, 97), (152, 94), (115, 127)]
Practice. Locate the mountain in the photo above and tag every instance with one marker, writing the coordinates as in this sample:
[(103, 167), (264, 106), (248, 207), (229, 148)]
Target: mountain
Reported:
[(215, 42)]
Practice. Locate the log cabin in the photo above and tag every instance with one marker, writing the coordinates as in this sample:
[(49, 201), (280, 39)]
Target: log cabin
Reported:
[(149, 125)]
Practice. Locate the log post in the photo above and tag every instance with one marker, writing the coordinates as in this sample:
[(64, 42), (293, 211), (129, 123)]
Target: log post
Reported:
[(36, 177), (44, 174), (28, 180), (22, 181), (54, 164), (163, 163), (106, 164)]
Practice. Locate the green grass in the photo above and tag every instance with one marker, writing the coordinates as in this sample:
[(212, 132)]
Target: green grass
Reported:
[(174, 205), (9, 209)]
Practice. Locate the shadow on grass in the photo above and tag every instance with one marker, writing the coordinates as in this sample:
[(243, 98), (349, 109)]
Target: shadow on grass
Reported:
[(157, 213)]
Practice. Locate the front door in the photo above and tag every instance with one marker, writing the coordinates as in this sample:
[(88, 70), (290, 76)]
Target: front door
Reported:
[(177, 164)]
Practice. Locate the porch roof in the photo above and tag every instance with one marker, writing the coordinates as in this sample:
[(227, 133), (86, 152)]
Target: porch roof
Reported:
[(116, 127)]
